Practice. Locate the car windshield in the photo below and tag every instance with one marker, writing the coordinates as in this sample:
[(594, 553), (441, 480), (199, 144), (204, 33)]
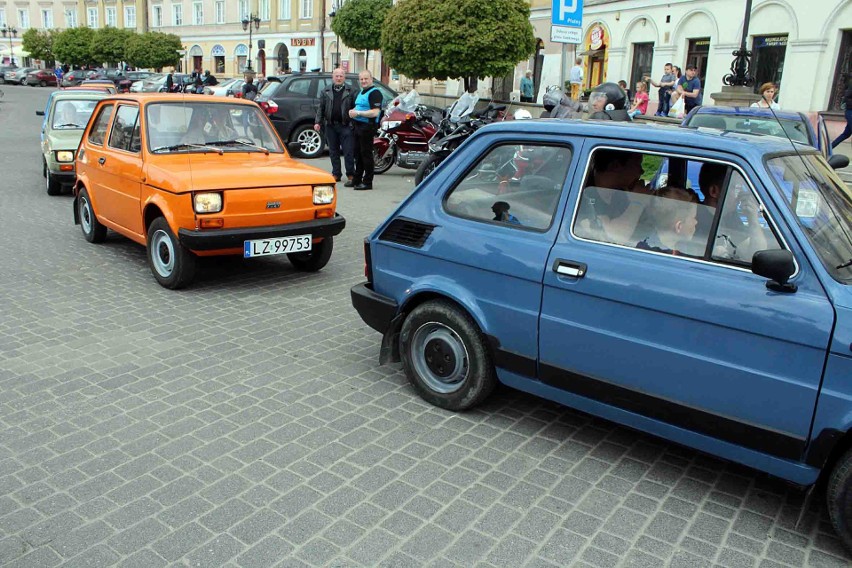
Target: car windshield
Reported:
[(203, 126), (72, 114), (822, 204), (797, 130)]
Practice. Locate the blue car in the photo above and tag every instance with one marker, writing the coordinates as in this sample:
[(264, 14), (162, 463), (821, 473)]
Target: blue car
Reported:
[(536, 257)]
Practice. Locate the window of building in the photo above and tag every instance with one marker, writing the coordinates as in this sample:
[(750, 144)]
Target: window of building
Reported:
[(2, 17), (263, 10), (197, 14), (111, 16), (130, 16), (220, 11), (284, 9), (243, 9), (177, 15), (92, 17), (768, 63), (71, 18), (158, 17), (307, 11), (513, 185), (23, 18), (697, 54), (47, 19)]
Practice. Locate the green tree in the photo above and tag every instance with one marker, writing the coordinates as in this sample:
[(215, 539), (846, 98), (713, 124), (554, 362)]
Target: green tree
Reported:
[(74, 46), (358, 24), (39, 44), (108, 45), (445, 39), (153, 50)]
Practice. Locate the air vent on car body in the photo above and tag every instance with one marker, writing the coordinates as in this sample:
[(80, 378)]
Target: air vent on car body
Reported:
[(407, 232)]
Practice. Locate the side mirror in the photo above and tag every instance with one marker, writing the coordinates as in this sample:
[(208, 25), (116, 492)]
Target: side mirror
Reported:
[(41, 113), (778, 266), (838, 161), (294, 148)]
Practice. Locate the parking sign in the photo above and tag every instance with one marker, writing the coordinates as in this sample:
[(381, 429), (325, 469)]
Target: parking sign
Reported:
[(567, 13)]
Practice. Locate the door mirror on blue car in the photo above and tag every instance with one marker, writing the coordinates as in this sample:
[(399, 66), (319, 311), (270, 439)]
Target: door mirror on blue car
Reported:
[(777, 265), (838, 161), (41, 113)]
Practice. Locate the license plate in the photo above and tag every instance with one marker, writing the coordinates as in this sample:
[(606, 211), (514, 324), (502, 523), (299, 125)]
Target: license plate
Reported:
[(278, 245)]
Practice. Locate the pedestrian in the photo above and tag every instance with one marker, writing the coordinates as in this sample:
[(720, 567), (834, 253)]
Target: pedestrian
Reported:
[(58, 72), (847, 109), (249, 88), (366, 115), (623, 85), (198, 84), (335, 101), (575, 77), (640, 101), (170, 81), (209, 80), (666, 85), (527, 87), (767, 97), (690, 89)]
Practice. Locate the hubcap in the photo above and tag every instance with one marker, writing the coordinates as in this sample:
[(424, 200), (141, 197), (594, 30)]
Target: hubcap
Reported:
[(381, 162), (310, 141), (85, 215), (162, 253), (439, 357)]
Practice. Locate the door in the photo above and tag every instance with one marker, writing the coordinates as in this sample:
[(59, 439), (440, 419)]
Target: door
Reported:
[(643, 56), (91, 163), (694, 341), (122, 169), (843, 71)]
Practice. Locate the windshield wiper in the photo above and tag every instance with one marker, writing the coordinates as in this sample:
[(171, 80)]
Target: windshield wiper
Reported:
[(68, 125), (846, 264), (240, 142), (175, 147)]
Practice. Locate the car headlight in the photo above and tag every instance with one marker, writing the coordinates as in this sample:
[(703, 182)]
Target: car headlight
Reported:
[(388, 124), (65, 156), (208, 202), (323, 194)]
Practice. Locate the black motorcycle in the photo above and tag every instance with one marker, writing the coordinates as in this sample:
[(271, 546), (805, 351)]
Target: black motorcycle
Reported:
[(450, 135)]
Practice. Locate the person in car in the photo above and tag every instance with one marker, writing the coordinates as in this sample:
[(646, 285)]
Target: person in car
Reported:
[(209, 125), (674, 219), (67, 115)]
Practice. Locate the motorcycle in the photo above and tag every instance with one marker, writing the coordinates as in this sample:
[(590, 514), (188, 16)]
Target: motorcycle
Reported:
[(404, 134), (450, 136)]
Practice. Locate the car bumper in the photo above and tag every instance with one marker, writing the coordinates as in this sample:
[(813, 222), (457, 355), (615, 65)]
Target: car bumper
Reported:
[(233, 238), (66, 178), (376, 310)]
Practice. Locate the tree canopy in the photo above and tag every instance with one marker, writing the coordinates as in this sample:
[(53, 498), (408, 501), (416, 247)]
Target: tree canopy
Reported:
[(109, 44), (445, 39), (153, 50), (358, 23), (74, 46), (39, 43)]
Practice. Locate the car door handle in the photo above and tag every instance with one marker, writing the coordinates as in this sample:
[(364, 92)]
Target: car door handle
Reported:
[(101, 160), (569, 268)]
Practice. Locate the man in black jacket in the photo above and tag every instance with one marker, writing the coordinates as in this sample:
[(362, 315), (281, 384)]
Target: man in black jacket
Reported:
[(333, 116)]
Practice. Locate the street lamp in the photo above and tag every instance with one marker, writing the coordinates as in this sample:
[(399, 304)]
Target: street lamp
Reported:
[(10, 33), (740, 76), (251, 22), (331, 15)]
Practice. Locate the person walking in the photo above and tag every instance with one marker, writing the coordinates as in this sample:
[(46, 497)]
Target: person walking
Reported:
[(170, 81), (847, 106), (366, 115), (527, 87), (575, 77), (767, 97), (58, 72), (666, 84), (335, 101)]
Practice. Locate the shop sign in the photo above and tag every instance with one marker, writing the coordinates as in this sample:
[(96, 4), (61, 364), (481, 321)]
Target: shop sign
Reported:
[(303, 41), (596, 37), (770, 41), (345, 65)]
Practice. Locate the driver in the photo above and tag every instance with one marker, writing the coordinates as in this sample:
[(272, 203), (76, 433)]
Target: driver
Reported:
[(208, 125), (67, 114)]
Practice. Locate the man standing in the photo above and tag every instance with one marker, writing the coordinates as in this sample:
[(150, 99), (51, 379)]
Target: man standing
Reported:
[(335, 101), (366, 115), (58, 72), (575, 77), (527, 88), (666, 84), (691, 89)]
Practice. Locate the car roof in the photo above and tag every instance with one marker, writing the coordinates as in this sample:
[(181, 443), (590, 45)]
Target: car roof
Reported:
[(709, 139), (78, 95), (749, 111), (148, 98)]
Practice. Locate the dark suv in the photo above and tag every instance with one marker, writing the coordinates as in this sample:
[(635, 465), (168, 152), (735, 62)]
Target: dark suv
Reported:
[(296, 97)]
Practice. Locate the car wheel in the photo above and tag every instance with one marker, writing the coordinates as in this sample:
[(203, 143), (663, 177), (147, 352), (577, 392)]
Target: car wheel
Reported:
[(839, 498), (315, 259), (54, 187), (172, 264), (426, 167), (93, 231), (310, 141), (23, 82), (43, 168), (445, 356), (42, 83), (383, 164)]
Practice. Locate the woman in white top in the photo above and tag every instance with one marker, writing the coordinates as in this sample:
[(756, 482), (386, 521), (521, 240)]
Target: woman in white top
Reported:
[(767, 93)]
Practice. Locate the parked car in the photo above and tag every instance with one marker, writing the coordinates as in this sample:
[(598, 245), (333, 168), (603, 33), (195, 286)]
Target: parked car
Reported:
[(4, 70), (524, 260), (156, 83), (67, 115), (226, 88), (125, 81), (102, 83), (169, 172), (296, 97), (73, 77), (41, 78), (19, 75)]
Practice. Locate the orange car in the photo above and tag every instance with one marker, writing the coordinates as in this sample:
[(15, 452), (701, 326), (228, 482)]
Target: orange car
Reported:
[(192, 176)]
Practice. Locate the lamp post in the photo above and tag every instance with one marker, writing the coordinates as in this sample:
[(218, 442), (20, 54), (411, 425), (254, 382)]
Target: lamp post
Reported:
[(331, 15), (251, 22), (10, 32), (739, 75)]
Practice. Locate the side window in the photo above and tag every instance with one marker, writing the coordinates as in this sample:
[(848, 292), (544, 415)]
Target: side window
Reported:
[(513, 184), (387, 94), (322, 83), (98, 132), (124, 128), (299, 88)]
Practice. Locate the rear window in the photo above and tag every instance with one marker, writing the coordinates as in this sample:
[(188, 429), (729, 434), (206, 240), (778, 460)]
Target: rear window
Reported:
[(269, 89)]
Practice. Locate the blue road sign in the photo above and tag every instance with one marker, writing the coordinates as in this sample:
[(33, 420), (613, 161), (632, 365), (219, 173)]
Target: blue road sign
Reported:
[(567, 13)]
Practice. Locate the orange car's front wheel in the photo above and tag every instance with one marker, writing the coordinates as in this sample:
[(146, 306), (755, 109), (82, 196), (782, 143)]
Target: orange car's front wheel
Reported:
[(172, 264)]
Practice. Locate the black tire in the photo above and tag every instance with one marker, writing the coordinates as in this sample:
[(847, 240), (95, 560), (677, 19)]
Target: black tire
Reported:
[(54, 187), (312, 143), (381, 166), (838, 497), (43, 168), (445, 356), (172, 264), (93, 231), (315, 259), (42, 83), (427, 167), (23, 81)]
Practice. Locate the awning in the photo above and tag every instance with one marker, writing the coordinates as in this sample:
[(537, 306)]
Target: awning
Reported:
[(17, 50), (591, 52)]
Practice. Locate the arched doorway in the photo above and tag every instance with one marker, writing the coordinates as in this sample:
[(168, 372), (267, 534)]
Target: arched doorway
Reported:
[(282, 56), (218, 55), (197, 57), (303, 60), (261, 62), (241, 57)]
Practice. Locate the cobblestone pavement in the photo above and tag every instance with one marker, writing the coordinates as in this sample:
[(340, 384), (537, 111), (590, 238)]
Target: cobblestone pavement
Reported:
[(245, 422)]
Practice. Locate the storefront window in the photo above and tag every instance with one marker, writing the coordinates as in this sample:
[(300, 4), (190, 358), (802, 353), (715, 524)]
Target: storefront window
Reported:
[(843, 72), (768, 62), (596, 56), (699, 51)]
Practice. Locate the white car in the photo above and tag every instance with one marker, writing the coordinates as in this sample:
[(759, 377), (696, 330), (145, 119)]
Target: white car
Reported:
[(225, 88)]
